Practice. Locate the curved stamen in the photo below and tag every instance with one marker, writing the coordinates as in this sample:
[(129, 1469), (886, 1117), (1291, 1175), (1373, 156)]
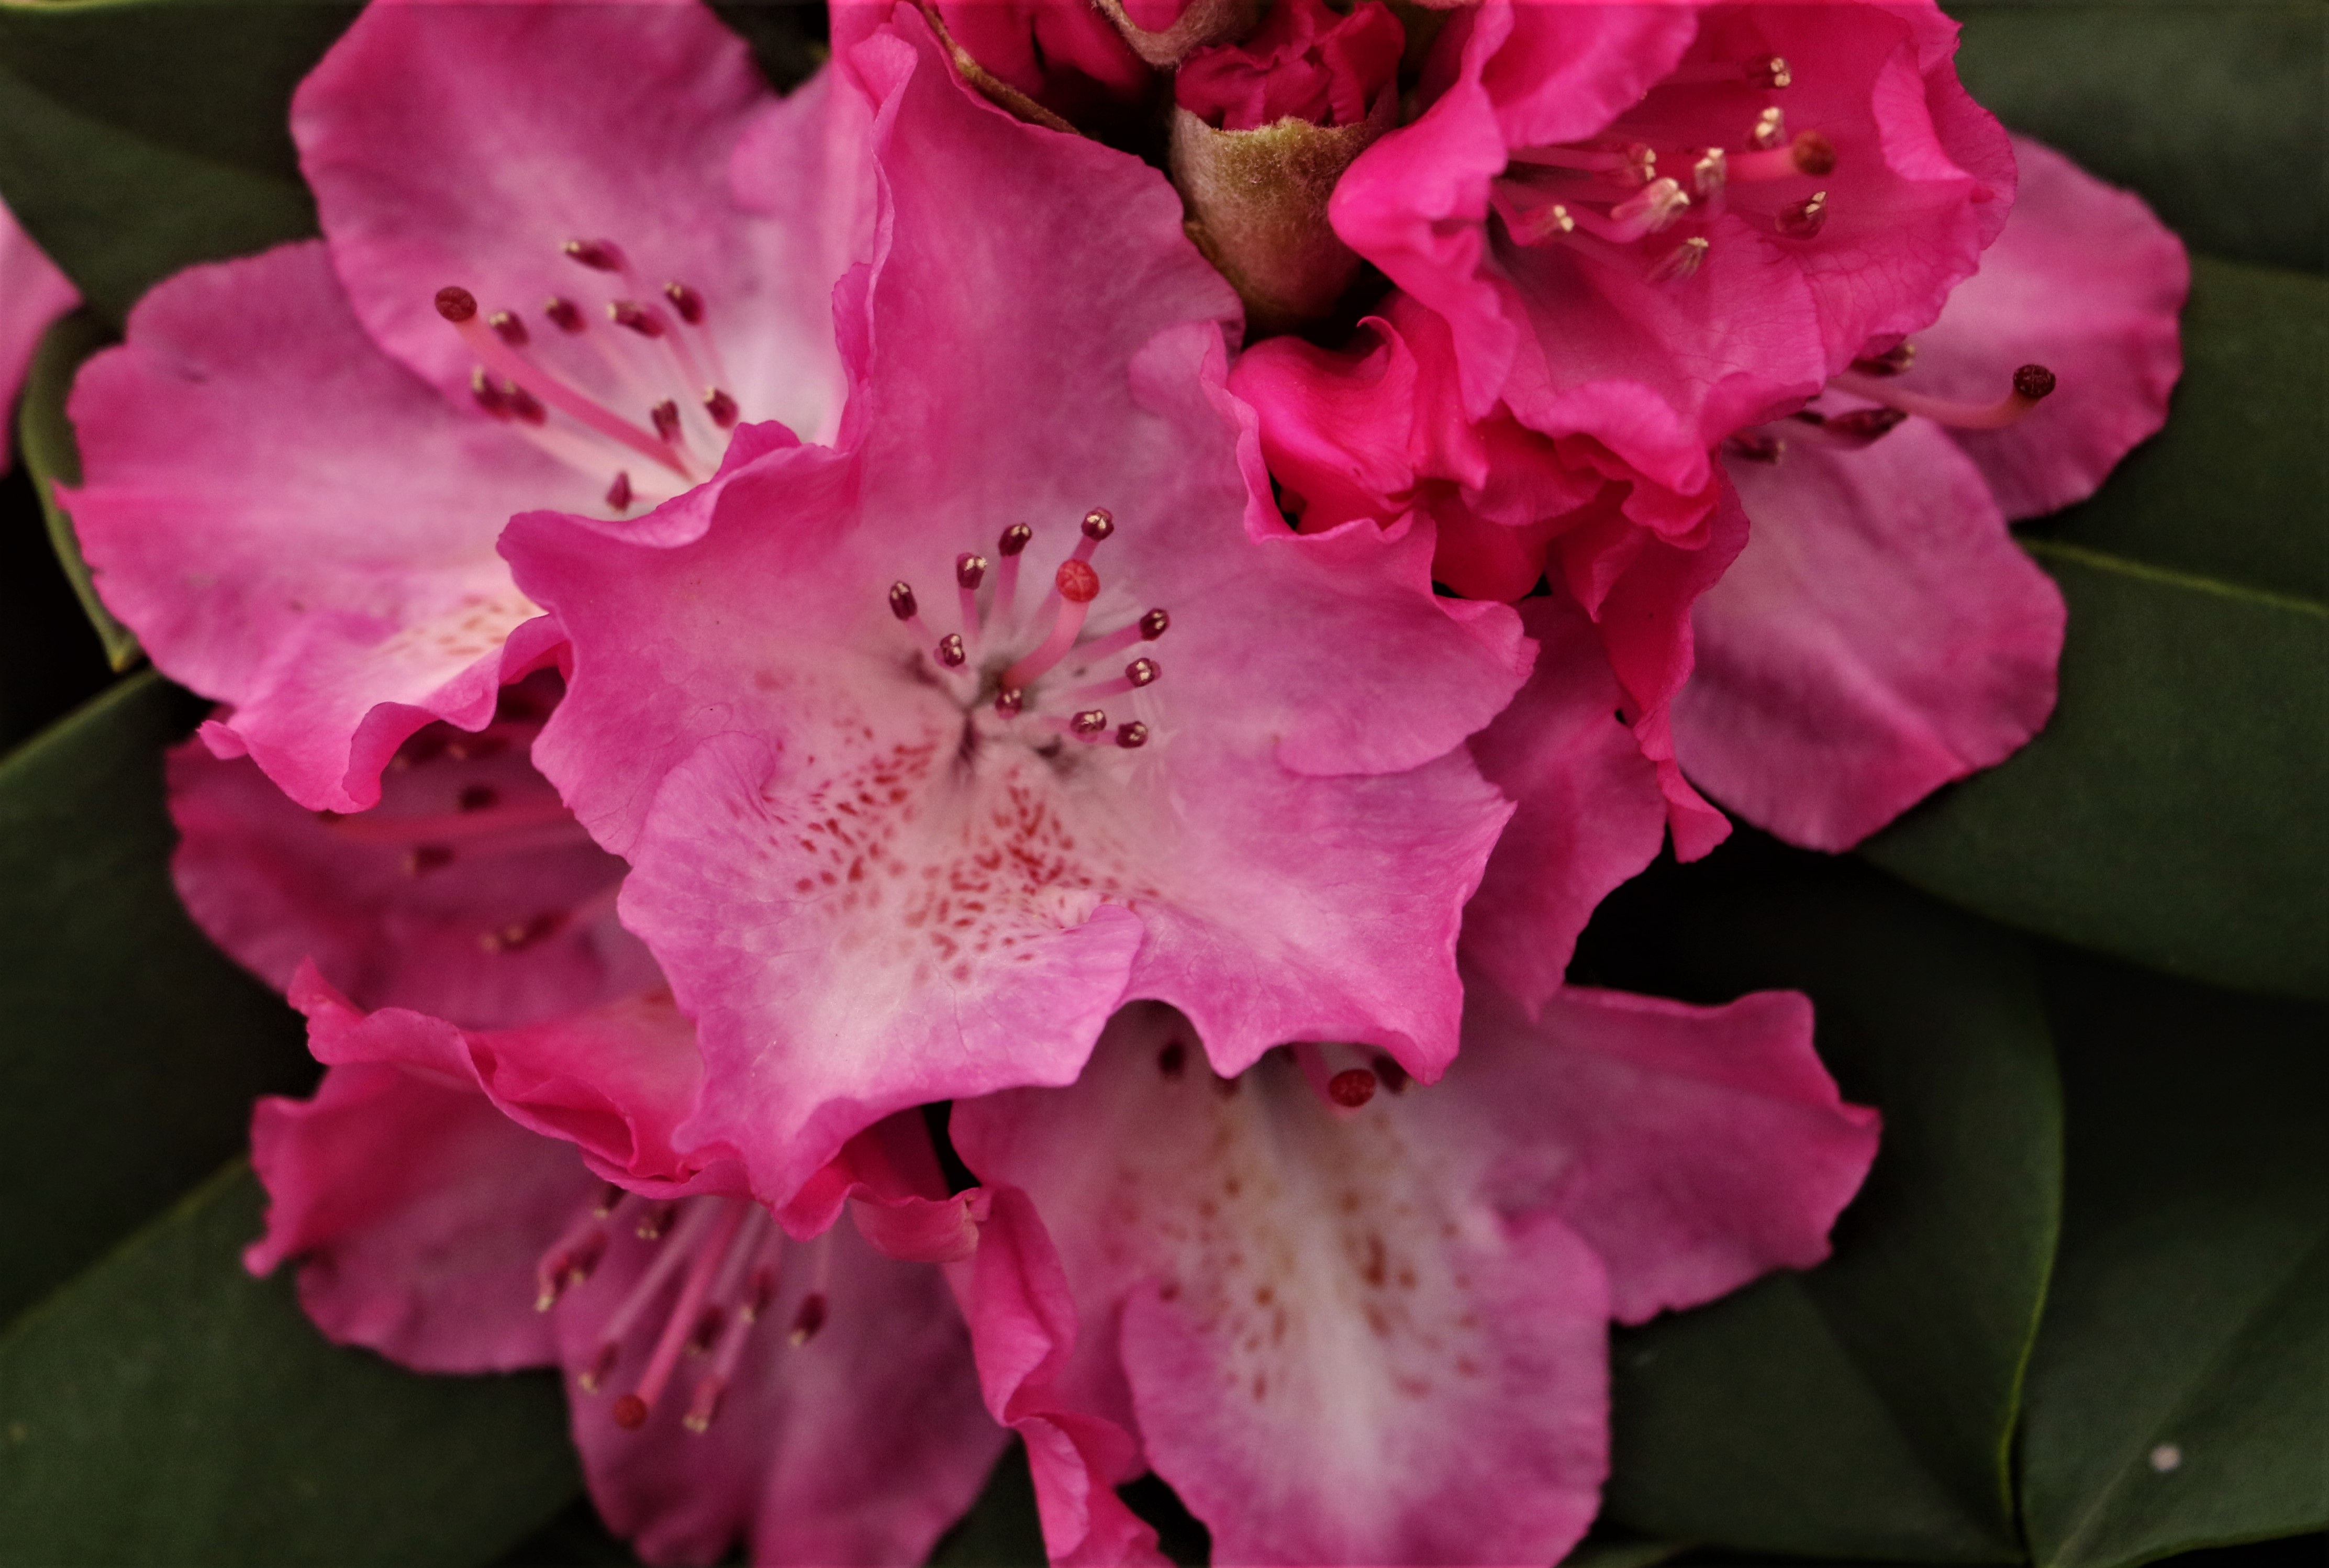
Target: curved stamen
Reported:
[(631, 1411), (2032, 383), (1148, 628), (459, 307), (643, 1293), (1139, 673), (1010, 546)]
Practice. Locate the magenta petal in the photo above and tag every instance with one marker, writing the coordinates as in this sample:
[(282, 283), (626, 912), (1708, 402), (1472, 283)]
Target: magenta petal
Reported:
[(1879, 635), (296, 527), (1589, 811), (417, 1212), (33, 294), (467, 143), (2087, 282)]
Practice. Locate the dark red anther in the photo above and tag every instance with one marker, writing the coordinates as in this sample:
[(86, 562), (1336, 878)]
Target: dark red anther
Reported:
[(455, 303), (1770, 71), (2034, 382), (969, 571), (1142, 672), (631, 313), (809, 1318), (708, 1324), (489, 396), (1089, 723), (619, 494), (1078, 583), (1098, 523), (599, 255), (1862, 426), (665, 415), (686, 301), (1009, 701), (1804, 220), (1014, 539), (1815, 154), (902, 603), (609, 1195), (1153, 625), (602, 1363), (1350, 1088), (758, 1293), (423, 858), (1755, 446), (1891, 362), (1172, 1060), (564, 314), (1394, 1077), (631, 1412), (950, 651), (478, 798), (508, 328), (655, 1224), (523, 403), (720, 407), (1132, 736)]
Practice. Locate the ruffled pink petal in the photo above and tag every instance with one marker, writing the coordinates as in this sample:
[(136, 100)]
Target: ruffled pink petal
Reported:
[(861, 1445), (33, 294), (1879, 635), (1694, 1147), (454, 143), (1589, 811), (415, 1211), (470, 892), (2087, 282), (294, 525)]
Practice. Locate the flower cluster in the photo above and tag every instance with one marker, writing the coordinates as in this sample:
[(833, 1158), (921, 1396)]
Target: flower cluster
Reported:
[(738, 619)]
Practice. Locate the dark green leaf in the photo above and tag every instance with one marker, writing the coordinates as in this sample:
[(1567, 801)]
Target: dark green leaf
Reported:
[(129, 1049), (1002, 1529), (51, 661), (575, 1537), (2213, 112), (138, 136), (2170, 813), (165, 1407), (2178, 1394), (52, 455), (1863, 1409)]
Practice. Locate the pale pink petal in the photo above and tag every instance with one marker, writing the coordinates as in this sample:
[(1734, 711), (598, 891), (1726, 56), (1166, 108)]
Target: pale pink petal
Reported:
[(33, 294), (1589, 815), (297, 527), (415, 1211), (2087, 282), (1879, 635), (457, 144)]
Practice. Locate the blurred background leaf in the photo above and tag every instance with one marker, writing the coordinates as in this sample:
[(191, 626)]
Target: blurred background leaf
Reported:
[(45, 439)]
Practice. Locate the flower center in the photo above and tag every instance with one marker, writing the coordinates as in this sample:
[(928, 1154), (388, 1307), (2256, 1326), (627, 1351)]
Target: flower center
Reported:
[(1634, 201), (1016, 671), (713, 1268), (649, 351)]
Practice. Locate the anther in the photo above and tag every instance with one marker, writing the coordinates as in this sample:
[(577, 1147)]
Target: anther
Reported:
[(564, 314), (489, 396), (456, 304), (1351, 1088), (1142, 672), (1681, 261), (1813, 154), (1754, 446), (631, 313), (476, 798), (1709, 172), (665, 415), (1653, 207), (609, 1195), (969, 571), (1394, 1077), (599, 255), (1770, 129), (720, 407), (686, 301), (902, 603), (1089, 724), (459, 307), (2032, 384), (508, 328), (522, 404), (1771, 70), (423, 858), (1009, 701), (809, 1319), (1014, 539), (1891, 362), (1804, 220), (619, 494), (1153, 625), (1006, 581), (1098, 523), (1132, 736), (1859, 427), (950, 651), (655, 1224)]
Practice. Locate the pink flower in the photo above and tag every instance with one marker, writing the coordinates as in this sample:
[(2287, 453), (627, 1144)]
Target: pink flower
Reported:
[(296, 469), (1303, 62), (1881, 635), (896, 837), (33, 294), (1355, 1320), (1061, 59)]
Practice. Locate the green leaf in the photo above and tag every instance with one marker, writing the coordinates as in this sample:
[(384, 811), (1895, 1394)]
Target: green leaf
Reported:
[(2213, 112), (1866, 1408), (130, 1049), (2170, 812), (1002, 1529), (2177, 1392), (138, 136), (52, 455), (165, 1407)]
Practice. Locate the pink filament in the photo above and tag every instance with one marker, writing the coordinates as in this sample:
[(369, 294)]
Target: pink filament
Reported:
[(1963, 416), (513, 366), (681, 1324)]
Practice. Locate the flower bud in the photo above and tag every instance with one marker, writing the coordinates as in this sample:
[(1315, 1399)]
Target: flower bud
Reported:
[(1163, 32)]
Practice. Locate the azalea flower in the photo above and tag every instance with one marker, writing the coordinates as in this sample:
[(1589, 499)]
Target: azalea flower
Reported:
[(930, 751), (507, 1191), (33, 295), (1353, 1319), (296, 471)]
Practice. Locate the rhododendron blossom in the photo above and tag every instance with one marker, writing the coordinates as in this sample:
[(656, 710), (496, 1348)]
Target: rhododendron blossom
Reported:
[(912, 801), (296, 470), (1354, 1320)]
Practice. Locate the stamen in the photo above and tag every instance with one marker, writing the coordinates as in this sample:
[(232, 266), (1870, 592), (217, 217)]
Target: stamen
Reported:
[(619, 494), (1754, 446), (809, 1319), (1530, 225), (1076, 585), (564, 314), (1006, 581), (1771, 70), (1762, 70), (637, 317), (643, 1292), (720, 407), (1855, 428), (902, 603), (686, 301), (1087, 725), (1891, 362), (508, 328), (655, 1224), (713, 1385), (1804, 220), (1770, 129), (1810, 152), (969, 571), (1711, 172), (2032, 383), (631, 1410), (459, 307), (1637, 163), (1681, 261), (1132, 736), (1653, 207), (1009, 701), (1098, 523), (665, 415), (1351, 1088), (599, 255), (569, 1260), (1139, 673), (952, 653), (1148, 628)]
